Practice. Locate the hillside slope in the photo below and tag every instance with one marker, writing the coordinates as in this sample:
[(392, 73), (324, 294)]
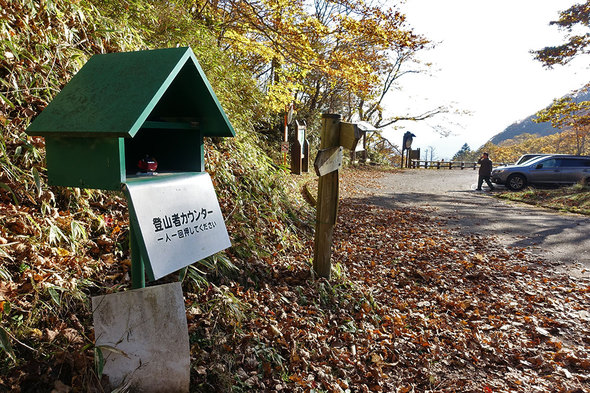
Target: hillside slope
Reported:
[(528, 126), (60, 246)]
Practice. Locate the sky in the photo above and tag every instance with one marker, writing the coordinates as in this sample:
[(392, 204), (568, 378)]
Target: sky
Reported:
[(481, 64)]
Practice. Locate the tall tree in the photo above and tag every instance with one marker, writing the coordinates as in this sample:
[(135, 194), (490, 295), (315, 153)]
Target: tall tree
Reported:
[(566, 113), (463, 153), (328, 55), (363, 52), (340, 56), (575, 44), (569, 115)]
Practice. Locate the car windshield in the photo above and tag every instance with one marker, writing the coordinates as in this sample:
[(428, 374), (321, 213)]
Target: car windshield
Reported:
[(524, 158), (531, 160)]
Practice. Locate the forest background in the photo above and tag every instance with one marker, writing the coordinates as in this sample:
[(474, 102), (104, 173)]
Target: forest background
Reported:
[(59, 246)]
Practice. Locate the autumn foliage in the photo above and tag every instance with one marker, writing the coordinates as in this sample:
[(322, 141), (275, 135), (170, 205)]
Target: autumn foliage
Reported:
[(413, 306), (572, 22)]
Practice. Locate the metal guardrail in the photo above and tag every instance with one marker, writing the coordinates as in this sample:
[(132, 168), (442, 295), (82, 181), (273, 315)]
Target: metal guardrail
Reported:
[(446, 164)]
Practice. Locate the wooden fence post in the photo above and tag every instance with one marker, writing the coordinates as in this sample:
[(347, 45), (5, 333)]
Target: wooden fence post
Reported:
[(327, 204)]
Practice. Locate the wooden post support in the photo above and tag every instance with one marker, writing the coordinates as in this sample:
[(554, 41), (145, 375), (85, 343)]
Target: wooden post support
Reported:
[(327, 205)]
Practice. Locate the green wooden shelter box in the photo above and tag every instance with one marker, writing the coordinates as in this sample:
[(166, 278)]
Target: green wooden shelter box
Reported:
[(121, 107)]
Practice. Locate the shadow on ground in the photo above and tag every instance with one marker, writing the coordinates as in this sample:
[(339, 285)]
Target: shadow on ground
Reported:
[(560, 238)]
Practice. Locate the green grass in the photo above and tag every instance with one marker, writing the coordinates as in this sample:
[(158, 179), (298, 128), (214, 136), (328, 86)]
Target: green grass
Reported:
[(575, 199)]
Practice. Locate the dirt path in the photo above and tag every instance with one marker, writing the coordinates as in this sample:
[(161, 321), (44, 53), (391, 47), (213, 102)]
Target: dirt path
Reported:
[(560, 238)]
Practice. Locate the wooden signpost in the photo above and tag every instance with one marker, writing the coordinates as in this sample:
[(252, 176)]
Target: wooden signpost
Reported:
[(299, 149), (407, 147), (328, 160), (335, 136)]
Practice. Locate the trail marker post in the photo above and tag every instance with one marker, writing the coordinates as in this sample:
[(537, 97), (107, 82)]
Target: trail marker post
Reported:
[(407, 147), (299, 149), (334, 137)]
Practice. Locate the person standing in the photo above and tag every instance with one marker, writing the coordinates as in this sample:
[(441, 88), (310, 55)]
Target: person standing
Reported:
[(485, 171)]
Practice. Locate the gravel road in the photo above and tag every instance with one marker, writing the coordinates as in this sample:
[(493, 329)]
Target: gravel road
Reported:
[(562, 239)]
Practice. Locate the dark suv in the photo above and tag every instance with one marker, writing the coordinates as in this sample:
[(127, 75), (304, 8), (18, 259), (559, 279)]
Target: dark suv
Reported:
[(553, 169)]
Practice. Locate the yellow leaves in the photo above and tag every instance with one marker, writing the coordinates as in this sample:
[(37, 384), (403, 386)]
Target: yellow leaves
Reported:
[(245, 44), (279, 95), (62, 252), (570, 117), (345, 46), (36, 333), (314, 28), (563, 111)]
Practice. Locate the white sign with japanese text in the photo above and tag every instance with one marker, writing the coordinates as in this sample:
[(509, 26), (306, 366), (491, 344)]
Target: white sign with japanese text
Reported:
[(178, 219)]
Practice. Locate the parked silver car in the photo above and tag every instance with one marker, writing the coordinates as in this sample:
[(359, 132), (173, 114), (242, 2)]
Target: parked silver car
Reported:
[(526, 157), (554, 169)]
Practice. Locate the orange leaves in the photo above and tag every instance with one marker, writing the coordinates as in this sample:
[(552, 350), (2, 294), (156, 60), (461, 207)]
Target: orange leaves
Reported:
[(416, 307), (456, 301)]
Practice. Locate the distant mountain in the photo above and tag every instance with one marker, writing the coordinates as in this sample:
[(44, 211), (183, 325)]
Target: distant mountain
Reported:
[(527, 126)]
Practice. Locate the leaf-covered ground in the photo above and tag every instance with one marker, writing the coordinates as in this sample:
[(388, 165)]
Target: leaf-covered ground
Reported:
[(411, 307)]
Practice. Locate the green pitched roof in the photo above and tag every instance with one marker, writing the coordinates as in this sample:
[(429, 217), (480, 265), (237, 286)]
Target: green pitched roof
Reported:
[(115, 93)]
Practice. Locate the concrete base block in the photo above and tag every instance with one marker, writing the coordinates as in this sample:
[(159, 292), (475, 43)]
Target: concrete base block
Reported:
[(143, 336)]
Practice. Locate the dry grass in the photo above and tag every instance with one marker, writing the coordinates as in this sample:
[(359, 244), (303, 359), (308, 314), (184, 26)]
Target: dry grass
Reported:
[(575, 199)]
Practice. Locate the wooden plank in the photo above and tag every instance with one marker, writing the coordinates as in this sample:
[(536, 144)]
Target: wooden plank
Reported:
[(328, 160), (360, 145), (349, 136), (328, 195)]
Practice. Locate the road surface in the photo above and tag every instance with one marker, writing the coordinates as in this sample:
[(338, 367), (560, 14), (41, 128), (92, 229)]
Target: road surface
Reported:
[(560, 238)]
